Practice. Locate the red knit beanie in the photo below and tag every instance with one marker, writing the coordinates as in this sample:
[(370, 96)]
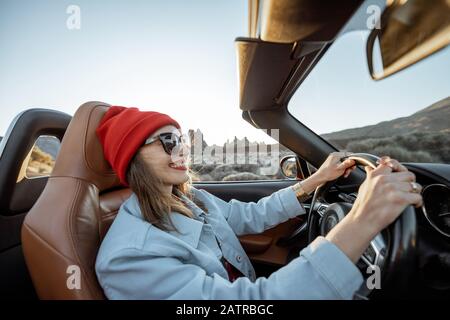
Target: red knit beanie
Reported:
[(122, 131)]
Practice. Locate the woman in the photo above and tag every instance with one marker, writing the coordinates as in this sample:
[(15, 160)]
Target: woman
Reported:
[(172, 241)]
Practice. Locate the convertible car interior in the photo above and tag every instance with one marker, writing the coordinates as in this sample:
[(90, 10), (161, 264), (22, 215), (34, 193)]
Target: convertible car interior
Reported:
[(50, 223)]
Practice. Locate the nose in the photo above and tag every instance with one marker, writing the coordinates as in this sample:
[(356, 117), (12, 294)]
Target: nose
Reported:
[(181, 152)]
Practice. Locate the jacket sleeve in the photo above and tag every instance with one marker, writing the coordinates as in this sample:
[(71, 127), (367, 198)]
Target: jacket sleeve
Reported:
[(321, 271), (253, 218)]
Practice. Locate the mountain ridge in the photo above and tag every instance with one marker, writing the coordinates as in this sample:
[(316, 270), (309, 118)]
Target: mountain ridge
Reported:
[(434, 118)]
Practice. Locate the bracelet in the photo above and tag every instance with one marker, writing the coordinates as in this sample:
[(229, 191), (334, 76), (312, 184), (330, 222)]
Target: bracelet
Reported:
[(300, 193)]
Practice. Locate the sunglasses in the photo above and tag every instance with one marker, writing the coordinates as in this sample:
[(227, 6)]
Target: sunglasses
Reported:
[(169, 141)]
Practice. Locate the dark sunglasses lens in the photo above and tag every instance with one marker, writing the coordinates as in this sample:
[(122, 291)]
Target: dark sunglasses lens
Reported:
[(170, 141)]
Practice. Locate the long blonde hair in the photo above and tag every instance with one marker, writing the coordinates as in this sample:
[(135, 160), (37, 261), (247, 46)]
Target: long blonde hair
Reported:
[(156, 205)]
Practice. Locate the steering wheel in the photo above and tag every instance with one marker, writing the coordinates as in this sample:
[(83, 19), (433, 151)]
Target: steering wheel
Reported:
[(392, 250)]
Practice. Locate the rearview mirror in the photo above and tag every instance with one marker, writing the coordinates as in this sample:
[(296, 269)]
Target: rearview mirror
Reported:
[(409, 32)]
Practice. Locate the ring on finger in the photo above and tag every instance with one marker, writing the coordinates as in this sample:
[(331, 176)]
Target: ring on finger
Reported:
[(415, 187)]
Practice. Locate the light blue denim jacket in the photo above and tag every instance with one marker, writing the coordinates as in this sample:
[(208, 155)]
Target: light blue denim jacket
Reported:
[(139, 261)]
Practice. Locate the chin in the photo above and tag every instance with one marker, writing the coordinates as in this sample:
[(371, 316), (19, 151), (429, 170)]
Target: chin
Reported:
[(179, 178)]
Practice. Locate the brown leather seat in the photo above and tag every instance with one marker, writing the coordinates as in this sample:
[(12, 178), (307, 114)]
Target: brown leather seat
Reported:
[(67, 223)]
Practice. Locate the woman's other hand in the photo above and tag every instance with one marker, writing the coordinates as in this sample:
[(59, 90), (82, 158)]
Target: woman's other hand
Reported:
[(330, 170), (333, 168)]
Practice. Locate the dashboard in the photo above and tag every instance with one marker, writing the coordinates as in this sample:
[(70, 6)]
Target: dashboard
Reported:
[(435, 212), (433, 234), (436, 207)]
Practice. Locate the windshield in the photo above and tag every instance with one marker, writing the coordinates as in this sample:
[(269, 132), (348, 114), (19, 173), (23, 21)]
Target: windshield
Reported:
[(406, 116)]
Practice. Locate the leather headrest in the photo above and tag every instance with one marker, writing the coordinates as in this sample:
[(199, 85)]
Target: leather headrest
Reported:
[(81, 154)]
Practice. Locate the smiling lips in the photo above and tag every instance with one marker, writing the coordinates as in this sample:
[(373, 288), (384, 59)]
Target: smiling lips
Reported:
[(179, 166)]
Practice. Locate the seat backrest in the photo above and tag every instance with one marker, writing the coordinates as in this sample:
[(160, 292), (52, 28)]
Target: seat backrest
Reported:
[(62, 232)]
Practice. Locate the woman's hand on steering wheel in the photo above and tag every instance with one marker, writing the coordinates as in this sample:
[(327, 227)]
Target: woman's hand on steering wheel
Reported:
[(333, 168), (386, 192)]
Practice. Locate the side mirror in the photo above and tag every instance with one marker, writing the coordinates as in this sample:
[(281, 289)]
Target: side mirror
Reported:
[(409, 31), (292, 167), (288, 166)]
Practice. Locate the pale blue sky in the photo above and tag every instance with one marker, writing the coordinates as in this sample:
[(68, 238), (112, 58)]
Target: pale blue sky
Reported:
[(176, 57), (179, 57)]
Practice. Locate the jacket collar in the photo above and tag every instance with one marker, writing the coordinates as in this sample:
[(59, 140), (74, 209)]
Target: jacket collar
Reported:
[(187, 229), (198, 212)]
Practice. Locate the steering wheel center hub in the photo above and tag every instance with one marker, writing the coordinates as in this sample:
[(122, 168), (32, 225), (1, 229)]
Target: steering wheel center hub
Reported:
[(332, 216)]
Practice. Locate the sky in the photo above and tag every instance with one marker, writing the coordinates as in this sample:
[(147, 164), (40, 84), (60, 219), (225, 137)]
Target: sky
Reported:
[(179, 57)]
